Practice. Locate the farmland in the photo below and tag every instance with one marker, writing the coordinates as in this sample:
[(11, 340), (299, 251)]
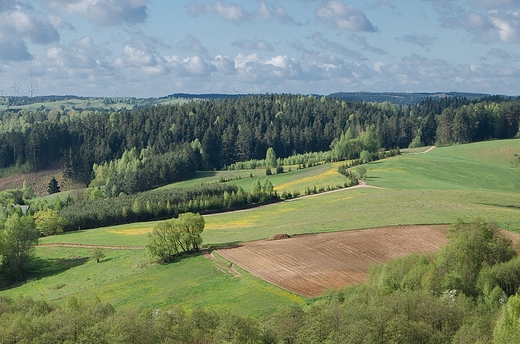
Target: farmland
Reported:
[(309, 265), (420, 189)]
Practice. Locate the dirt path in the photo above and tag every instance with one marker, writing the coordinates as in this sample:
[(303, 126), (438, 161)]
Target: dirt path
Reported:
[(108, 247), (221, 266), (429, 150)]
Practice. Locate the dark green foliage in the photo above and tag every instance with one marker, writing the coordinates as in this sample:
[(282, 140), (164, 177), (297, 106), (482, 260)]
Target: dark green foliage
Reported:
[(53, 186), (229, 130), (157, 204)]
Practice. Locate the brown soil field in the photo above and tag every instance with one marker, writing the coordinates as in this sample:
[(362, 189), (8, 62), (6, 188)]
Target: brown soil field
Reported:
[(311, 264)]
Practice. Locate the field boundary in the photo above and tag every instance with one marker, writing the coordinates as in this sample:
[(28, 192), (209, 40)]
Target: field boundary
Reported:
[(108, 247)]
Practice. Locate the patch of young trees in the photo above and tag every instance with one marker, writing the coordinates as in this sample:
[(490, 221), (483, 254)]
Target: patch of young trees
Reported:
[(159, 204), (173, 237)]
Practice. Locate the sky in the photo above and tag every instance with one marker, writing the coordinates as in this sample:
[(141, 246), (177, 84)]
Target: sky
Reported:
[(154, 48)]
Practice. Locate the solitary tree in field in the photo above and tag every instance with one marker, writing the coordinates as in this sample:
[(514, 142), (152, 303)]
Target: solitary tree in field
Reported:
[(98, 254), (172, 237), (53, 186), (17, 239)]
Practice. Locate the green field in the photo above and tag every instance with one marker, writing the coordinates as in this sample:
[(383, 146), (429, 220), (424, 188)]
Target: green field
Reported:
[(445, 184)]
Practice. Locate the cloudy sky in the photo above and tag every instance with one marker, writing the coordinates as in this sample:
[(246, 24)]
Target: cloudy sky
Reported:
[(152, 48)]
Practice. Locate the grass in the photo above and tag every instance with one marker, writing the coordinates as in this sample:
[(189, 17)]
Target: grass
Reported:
[(446, 184), (125, 278), (479, 166)]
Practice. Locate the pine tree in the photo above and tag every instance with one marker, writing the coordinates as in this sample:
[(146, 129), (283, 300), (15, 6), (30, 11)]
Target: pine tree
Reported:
[(53, 186)]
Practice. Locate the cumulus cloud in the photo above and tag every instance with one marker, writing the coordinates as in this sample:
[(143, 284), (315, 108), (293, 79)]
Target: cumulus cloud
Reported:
[(323, 43), (423, 41), (257, 44), (192, 44), (344, 17), (493, 26), (19, 23), (14, 50), (110, 13), (82, 53), (274, 11), (227, 11), (362, 41), (502, 54)]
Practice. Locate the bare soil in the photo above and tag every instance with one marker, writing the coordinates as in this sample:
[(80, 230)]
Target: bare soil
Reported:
[(38, 181), (309, 265)]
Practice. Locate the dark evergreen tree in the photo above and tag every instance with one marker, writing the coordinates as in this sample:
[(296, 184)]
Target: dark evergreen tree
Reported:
[(53, 186)]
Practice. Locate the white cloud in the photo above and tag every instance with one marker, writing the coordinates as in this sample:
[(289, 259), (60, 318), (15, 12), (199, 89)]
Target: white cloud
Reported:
[(274, 11), (193, 44), (18, 24), (227, 11), (110, 12), (423, 41), (323, 43), (343, 17), (224, 65), (507, 25), (81, 54)]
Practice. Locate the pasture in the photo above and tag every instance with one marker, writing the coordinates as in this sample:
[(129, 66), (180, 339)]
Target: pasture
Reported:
[(445, 184)]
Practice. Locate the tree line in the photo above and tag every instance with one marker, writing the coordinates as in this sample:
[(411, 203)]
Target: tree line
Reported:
[(225, 131)]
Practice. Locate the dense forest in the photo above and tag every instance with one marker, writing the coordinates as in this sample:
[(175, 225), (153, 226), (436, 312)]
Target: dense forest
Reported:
[(212, 134)]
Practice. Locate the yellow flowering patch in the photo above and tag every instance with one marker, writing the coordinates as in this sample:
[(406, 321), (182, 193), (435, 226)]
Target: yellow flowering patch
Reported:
[(230, 225), (131, 231), (311, 180)]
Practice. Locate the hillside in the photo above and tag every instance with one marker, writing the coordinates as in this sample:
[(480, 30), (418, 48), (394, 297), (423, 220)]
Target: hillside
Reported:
[(128, 279)]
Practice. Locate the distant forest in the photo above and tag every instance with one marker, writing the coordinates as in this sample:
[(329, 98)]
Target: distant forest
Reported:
[(215, 133)]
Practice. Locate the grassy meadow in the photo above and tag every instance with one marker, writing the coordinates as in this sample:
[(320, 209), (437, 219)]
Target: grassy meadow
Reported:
[(445, 184)]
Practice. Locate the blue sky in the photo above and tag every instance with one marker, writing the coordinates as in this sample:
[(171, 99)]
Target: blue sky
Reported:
[(152, 48)]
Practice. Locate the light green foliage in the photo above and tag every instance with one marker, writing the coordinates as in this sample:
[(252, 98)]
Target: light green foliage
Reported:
[(270, 158), (48, 222), (365, 156), (346, 148), (507, 330), (98, 254), (417, 140), (17, 238), (172, 237), (28, 192), (10, 197), (471, 245), (371, 140), (58, 204), (361, 171)]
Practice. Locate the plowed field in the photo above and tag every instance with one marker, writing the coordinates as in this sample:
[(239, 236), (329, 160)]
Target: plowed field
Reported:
[(311, 264)]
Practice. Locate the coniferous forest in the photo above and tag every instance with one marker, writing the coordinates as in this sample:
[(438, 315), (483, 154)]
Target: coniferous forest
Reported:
[(211, 134)]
